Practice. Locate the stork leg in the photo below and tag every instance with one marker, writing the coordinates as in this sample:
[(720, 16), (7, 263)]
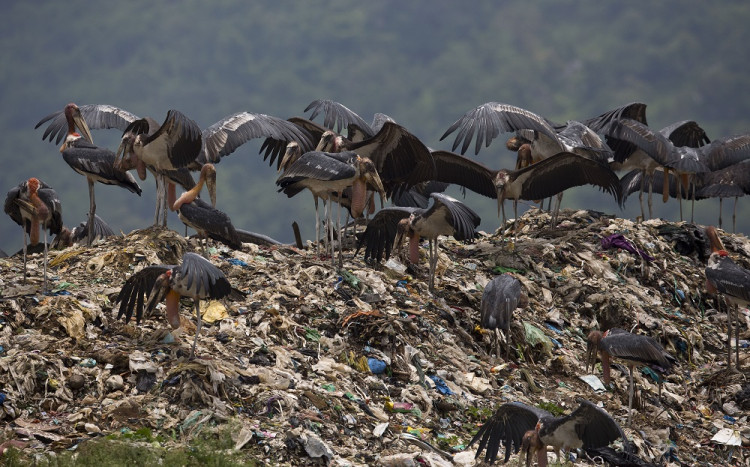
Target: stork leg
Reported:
[(679, 196), (630, 396), (496, 333), (650, 192), (729, 332), (734, 215), (92, 212), (721, 202), (329, 231), (737, 336), (433, 263), (158, 199), (515, 214), (640, 194), (691, 185), (197, 327), (23, 230), (44, 286), (558, 202), (338, 229), (164, 207)]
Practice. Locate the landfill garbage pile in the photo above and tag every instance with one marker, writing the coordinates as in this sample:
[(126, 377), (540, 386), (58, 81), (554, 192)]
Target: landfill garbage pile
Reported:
[(361, 365)]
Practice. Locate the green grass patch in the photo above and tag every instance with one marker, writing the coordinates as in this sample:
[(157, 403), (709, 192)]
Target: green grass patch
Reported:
[(211, 447)]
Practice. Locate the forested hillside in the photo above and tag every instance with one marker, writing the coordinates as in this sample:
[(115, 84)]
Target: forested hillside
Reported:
[(422, 63)]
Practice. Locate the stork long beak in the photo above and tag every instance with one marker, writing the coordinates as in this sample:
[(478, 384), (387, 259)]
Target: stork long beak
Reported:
[(373, 181), (291, 154), (713, 238), (590, 356), (158, 291), (82, 126), (125, 148), (211, 186)]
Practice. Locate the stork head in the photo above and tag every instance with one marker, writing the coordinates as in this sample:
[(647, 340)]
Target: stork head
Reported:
[(327, 142), (32, 185), (208, 174), (713, 237), (592, 346), (64, 239), (531, 444), (76, 121), (292, 153), (501, 179), (125, 157), (515, 142)]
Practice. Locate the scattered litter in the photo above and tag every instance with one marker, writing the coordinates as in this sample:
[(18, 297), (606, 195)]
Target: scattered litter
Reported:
[(361, 365)]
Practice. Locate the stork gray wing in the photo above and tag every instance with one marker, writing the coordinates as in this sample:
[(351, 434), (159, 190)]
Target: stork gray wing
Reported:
[(686, 133), (500, 297), (198, 277), (725, 152), (653, 143), (637, 348), (729, 278), (417, 196), (592, 425), (459, 170), (11, 207), (225, 136), (316, 165), (493, 118), (203, 217), (562, 171), (399, 157), (465, 220), (336, 116), (136, 290), (97, 116), (180, 135), (99, 164), (381, 231), (506, 428), (634, 111), (101, 230), (50, 199)]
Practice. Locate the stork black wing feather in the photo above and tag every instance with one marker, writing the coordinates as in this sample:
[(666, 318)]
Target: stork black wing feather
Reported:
[(459, 170), (97, 116), (381, 232), (135, 289), (493, 118), (594, 426), (336, 115), (562, 171), (634, 111), (506, 426), (99, 163)]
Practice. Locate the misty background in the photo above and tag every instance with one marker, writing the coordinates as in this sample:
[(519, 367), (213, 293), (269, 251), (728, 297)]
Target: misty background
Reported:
[(424, 63)]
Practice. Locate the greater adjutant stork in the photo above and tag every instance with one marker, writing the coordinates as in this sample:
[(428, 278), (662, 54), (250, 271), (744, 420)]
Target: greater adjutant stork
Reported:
[(447, 216), (30, 204), (501, 296), (516, 425), (195, 277), (543, 137), (632, 349), (203, 217), (724, 276), (328, 174), (545, 178), (78, 150), (67, 237)]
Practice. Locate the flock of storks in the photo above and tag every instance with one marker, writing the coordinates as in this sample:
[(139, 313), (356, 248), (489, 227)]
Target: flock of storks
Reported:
[(384, 158)]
